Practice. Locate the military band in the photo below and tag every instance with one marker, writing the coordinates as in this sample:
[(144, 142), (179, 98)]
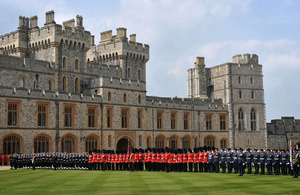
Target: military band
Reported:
[(197, 160)]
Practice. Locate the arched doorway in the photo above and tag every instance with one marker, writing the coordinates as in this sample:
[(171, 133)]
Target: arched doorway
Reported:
[(69, 144), (173, 142), (122, 144), (186, 142)]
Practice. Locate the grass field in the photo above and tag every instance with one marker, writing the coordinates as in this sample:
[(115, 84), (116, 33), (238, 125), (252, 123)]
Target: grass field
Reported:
[(121, 182)]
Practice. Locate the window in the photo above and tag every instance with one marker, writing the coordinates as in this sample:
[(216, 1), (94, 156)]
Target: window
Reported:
[(208, 121), (139, 99), (209, 141), (64, 83), (124, 116), (253, 120), (11, 144), (41, 144), (240, 94), (64, 63), (69, 115), (76, 64), (173, 120), (12, 113), (186, 120), (222, 122), (42, 117), (186, 142), (140, 140), (23, 82), (50, 85), (251, 80), (139, 117), (77, 85), (148, 142), (35, 84), (125, 97), (109, 118), (159, 119), (92, 116), (240, 119), (109, 141), (173, 143), (240, 79), (91, 143), (160, 141), (109, 96), (223, 143), (68, 144), (252, 95), (128, 73), (139, 75)]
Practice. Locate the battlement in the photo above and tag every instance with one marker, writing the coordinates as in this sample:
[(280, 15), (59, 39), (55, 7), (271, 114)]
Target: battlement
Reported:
[(200, 61), (247, 58)]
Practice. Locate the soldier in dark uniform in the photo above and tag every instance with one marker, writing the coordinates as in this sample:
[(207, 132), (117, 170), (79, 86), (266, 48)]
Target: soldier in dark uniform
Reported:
[(210, 161), (256, 161), (223, 161), (284, 162), (249, 160), (270, 159), (229, 160), (262, 161), (217, 161), (277, 160), (241, 161), (235, 160), (296, 161), (54, 161)]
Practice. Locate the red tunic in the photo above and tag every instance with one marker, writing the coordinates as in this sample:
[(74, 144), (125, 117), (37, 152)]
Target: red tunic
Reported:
[(124, 158), (116, 158), (149, 157), (1, 159), (196, 157), (141, 157), (127, 159), (200, 155), (6, 158), (108, 158), (163, 158), (98, 157), (103, 158), (136, 158), (184, 160), (132, 157), (190, 158), (175, 157), (158, 157), (205, 157), (90, 158), (179, 158), (153, 160), (112, 158), (94, 158)]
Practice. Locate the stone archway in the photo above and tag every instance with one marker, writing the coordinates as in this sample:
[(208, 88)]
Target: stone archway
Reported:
[(122, 144)]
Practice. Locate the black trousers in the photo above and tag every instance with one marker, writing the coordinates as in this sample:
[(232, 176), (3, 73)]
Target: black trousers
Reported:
[(236, 167), (249, 168), (200, 167), (269, 169), (262, 168), (211, 167), (296, 169), (256, 166), (229, 167), (223, 166), (240, 167), (195, 167), (190, 167), (217, 167)]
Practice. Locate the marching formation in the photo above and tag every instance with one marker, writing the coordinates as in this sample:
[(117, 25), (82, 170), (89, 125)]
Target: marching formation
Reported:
[(198, 160)]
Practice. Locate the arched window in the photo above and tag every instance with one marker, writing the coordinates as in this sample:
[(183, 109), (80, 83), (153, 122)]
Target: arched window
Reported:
[(125, 97), (76, 64), (139, 75), (209, 141), (251, 80), (149, 142), (64, 83), (173, 142), (139, 99), (23, 82), (91, 143), (240, 94), (109, 96), (160, 141), (77, 85), (41, 144), (253, 120), (128, 73), (68, 144), (50, 85), (240, 79), (252, 95), (240, 119), (186, 142), (223, 143), (11, 144), (64, 62)]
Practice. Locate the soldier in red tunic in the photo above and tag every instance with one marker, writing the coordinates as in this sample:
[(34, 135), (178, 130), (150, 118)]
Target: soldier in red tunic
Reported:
[(153, 160), (162, 159), (112, 161), (90, 161), (200, 161), (141, 160), (167, 160), (205, 165), (94, 160), (149, 159), (131, 160), (184, 160), (157, 162), (179, 160), (190, 160), (1, 159), (195, 161), (103, 160), (5, 159), (98, 160), (117, 160)]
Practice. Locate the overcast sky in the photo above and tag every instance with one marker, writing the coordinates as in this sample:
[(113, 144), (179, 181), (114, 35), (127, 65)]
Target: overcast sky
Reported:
[(178, 31)]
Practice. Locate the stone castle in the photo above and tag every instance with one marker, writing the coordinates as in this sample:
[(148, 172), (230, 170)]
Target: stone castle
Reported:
[(59, 92)]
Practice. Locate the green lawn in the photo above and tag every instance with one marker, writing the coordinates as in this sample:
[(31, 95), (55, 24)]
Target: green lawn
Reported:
[(123, 182)]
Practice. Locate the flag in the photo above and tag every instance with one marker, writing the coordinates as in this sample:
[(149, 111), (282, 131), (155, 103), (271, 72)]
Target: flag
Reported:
[(291, 154)]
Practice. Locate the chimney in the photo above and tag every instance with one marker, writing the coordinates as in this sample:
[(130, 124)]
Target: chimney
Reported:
[(133, 38), (121, 32), (50, 17), (34, 22), (92, 40)]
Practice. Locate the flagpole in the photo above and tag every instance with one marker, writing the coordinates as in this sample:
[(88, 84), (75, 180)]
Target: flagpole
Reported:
[(291, 154)]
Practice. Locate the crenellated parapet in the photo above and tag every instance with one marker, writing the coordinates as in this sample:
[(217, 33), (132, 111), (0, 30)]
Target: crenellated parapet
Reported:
[(245, 59)]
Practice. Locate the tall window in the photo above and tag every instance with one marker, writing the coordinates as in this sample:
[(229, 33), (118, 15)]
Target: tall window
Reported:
[(139, 117), (91, 143), (251, 80), (92, 117), (109, 96), (159, 119), (64, 62), (240, 94), (125, 97), (64, 83), (76, 64), (209, 141), (223, 143), (173, 120), (253, 120), (69, 115), (23, 82), (11, 144), (77, 85), (124, 116), (42, 114), (128, 73), (241, 119), (41, 144), (139, 99), (68, 144), (50, 85), (140, 141), (109, 117), (252, 95), (139, 75), (173, 143), (109, 141), (148, 142), (12, 113), (222, 122), (186, 142), (159, 142), (186, 120), (240, 79), (208, 121)]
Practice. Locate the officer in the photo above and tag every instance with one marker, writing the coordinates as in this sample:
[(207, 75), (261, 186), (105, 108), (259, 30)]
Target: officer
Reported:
[(284, 162), (196, 158), (262, 161), (184, 160), (200, 159), (205, 164), (256, 159), (190, 160), (296, 161), (241, 161), (229, 160), (235, 160), (210, 161), (217, 160), (223, 161), (249, 160), (276, 162), (270, 159), (54, 161)]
